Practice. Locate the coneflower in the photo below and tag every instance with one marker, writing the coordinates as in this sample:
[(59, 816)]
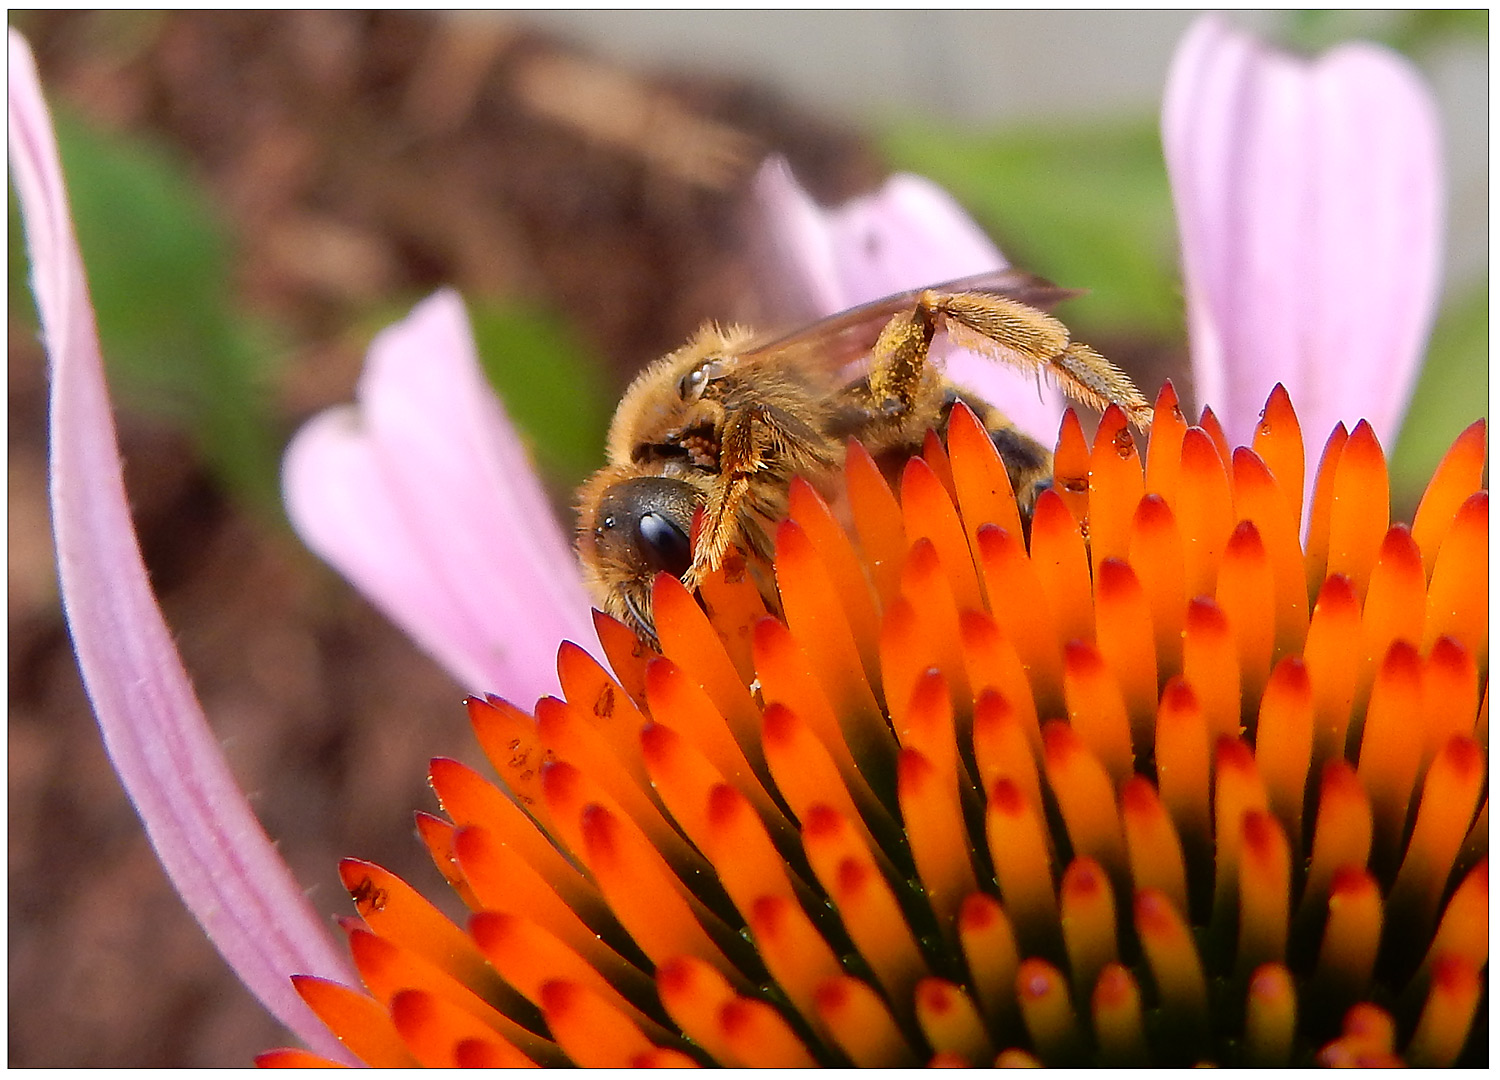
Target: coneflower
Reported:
[(1158, 782)]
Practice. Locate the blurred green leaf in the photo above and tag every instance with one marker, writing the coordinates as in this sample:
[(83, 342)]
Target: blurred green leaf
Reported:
[(553, 389), (1085, 204), (1452, 393), (1412, 32), (159, 271)]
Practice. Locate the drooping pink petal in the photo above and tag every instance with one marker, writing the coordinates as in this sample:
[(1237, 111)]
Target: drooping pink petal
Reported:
[(1309, 199), (424, 497), (218, 857), (908, 234)]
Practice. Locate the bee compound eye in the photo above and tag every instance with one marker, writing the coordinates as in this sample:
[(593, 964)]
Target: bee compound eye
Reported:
[(663, 545)]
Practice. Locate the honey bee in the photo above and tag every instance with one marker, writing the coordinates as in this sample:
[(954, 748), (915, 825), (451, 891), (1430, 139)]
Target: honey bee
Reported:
[(720, 427)]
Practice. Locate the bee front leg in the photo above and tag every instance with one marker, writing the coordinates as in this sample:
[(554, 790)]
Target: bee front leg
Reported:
[(743, 448)]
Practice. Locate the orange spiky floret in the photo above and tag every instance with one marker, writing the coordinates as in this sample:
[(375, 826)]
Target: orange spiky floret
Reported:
[(978, 796)]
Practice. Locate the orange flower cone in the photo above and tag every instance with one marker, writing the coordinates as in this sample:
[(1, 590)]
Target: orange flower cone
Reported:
[(1156, 782)]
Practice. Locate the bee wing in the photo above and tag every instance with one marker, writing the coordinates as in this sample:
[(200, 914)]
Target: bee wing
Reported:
[(842, 339)]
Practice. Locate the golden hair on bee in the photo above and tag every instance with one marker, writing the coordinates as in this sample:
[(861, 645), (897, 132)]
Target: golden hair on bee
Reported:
[(707, 439)]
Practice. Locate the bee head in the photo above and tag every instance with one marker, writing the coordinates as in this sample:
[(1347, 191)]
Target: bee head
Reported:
[(643, 525)]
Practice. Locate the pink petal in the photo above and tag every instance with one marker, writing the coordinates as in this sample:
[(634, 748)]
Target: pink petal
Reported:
[(426, 500), (1309, 198), (908, 234), (218, 857)]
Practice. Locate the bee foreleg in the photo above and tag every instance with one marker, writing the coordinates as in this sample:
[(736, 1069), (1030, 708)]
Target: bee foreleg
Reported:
[(743, 447)]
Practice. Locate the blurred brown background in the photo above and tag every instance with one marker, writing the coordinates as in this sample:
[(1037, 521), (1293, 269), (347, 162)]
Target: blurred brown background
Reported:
[(358, 161)]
